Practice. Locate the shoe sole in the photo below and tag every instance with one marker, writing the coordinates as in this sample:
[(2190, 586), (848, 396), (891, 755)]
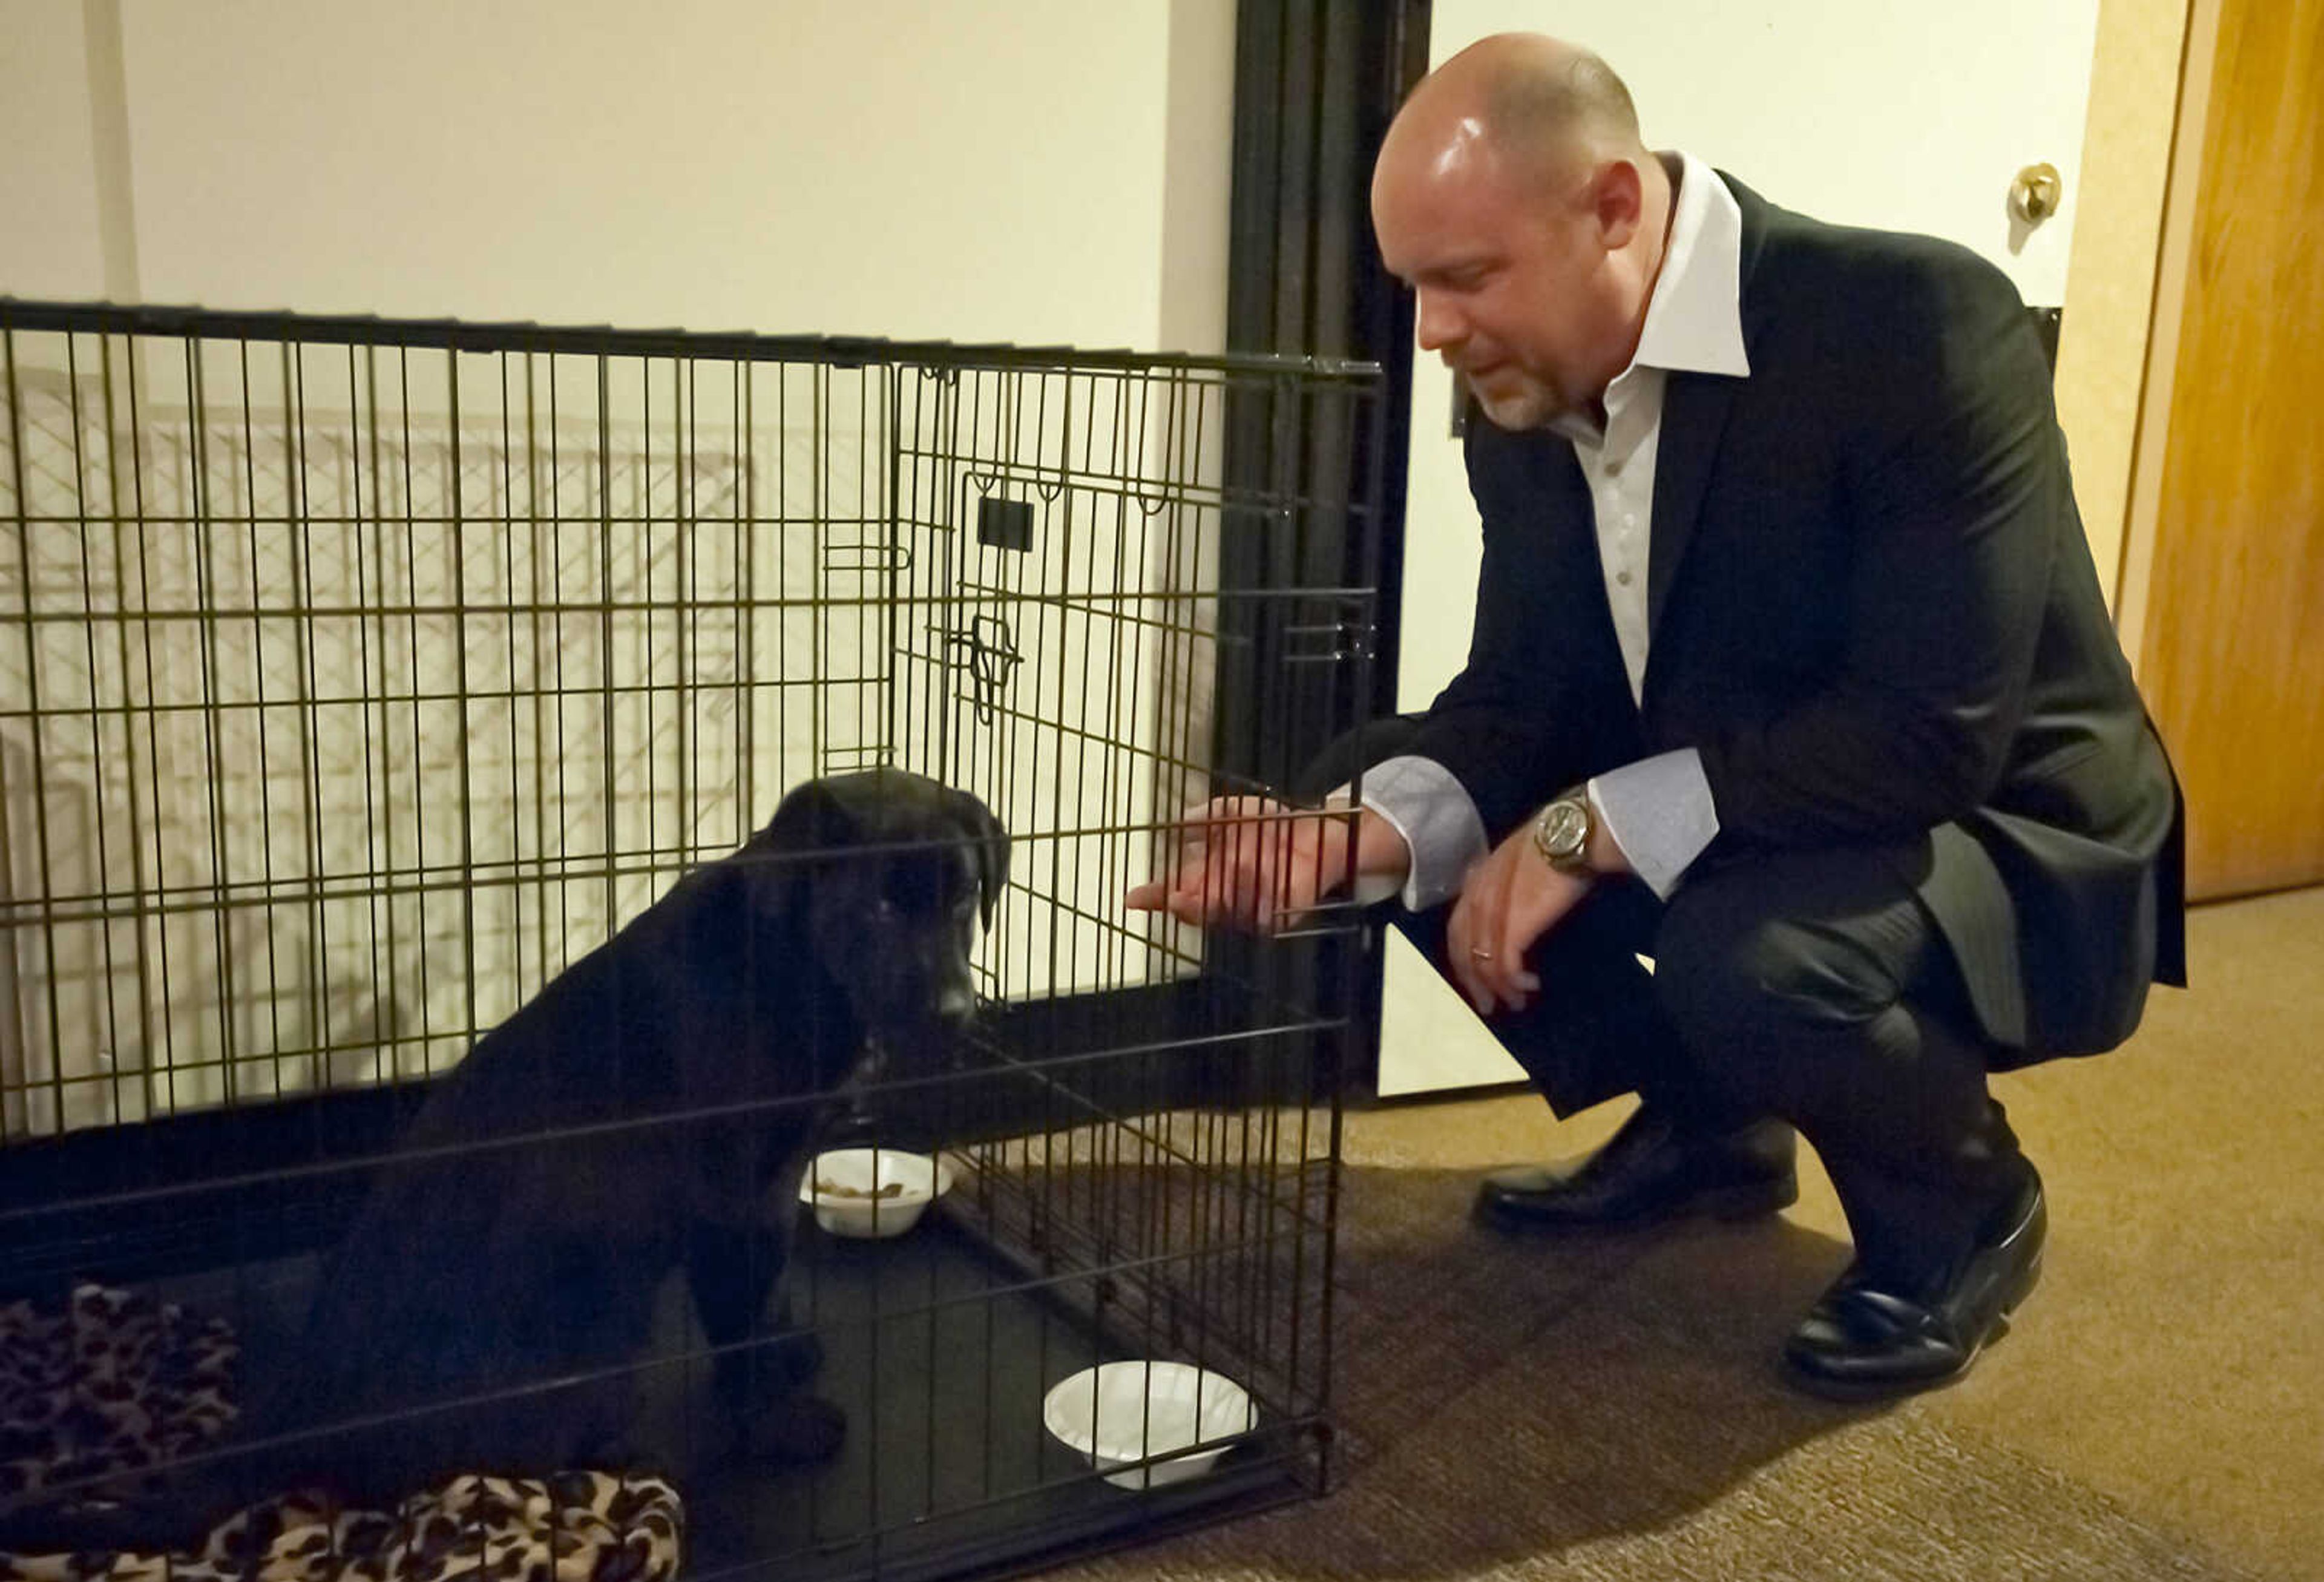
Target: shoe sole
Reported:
[(1838, 1390)]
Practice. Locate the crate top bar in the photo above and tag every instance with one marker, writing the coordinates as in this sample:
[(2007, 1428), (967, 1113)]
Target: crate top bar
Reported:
[(599, 340)]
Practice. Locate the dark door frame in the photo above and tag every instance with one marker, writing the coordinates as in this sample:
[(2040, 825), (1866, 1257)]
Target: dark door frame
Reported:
[(1316, 83)]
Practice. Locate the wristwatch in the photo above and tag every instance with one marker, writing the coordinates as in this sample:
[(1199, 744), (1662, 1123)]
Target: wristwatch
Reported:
[(1560, 832)]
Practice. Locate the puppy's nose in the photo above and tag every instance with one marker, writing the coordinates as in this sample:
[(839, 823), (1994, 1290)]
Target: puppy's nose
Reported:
[(956, 1003)]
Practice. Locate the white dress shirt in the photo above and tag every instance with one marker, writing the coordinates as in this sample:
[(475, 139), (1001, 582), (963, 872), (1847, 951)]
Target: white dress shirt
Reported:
[(1658, 810)]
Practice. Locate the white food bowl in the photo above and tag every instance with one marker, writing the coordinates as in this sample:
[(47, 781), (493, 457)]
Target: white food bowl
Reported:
[(1128, 1411), (844, 1187)]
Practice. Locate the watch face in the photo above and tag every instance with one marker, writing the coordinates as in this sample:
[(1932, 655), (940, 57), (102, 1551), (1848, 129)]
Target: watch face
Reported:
[(1565, 826)]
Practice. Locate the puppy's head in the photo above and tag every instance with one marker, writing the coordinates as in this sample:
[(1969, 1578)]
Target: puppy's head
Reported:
[(882, 877)]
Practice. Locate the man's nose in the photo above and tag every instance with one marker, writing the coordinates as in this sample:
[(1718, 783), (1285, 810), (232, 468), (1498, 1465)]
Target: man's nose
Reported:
[(1435, 323)]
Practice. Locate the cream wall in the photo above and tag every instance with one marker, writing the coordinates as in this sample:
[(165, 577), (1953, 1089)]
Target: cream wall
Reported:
[(998, 171), (50, 244)]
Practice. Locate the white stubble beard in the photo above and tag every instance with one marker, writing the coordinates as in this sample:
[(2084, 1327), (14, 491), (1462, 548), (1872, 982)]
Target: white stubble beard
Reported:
[(1531, 404)]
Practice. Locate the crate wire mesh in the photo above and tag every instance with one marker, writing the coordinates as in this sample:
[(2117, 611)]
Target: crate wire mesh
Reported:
[(357, 677)]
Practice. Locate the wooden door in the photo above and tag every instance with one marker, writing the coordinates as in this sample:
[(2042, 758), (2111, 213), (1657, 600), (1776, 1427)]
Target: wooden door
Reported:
[(2229, 633)]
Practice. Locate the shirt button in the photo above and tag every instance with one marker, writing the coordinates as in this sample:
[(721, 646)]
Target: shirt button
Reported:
[(1622, 577)]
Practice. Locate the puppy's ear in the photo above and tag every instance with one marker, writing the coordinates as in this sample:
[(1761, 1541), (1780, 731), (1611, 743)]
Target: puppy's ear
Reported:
[(811, 819), (991, 843)]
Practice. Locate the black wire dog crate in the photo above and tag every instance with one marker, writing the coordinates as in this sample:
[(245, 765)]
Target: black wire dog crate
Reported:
[(357, 678)]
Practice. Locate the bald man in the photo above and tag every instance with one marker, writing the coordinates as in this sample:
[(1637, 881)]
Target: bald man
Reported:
[(1790, 672)]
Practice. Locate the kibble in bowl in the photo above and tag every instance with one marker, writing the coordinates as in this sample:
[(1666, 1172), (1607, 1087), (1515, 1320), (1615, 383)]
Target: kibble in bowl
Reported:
[(875, 1192)]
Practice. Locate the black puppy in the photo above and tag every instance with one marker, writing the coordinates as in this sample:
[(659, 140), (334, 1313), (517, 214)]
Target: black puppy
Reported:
[(634, 1119)]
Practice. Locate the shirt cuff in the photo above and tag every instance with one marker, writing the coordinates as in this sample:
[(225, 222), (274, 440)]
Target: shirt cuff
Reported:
[(1433, 812), (1659, 812)]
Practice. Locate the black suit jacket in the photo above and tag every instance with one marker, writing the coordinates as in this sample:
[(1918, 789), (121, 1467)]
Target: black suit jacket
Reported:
[(1872, 611)]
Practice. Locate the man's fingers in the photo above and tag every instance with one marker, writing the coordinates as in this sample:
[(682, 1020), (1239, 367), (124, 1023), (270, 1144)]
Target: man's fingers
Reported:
[(1165, 895), (1508, 902), (1191, 841), (1294, 878), (1509, 941), (1492, 929), (1523, 918), (1460, 934), (1242, 876), (1518, 921), (1223, 881)]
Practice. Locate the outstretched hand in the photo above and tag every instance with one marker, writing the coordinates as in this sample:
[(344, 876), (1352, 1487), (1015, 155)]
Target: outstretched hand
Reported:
[(1255, 863)]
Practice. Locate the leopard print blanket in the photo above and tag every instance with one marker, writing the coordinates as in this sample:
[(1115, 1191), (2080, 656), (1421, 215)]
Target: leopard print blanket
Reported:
[(115, 1382), (112, 1381)]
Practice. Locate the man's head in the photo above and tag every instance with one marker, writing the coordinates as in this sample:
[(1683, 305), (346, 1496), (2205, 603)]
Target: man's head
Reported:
[(1514, 195)]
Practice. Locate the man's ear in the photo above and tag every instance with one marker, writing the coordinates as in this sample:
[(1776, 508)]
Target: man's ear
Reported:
[(1618, 201), (780, 857), (991, 843)]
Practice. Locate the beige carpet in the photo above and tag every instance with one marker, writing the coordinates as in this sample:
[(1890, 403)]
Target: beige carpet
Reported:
[(1606, 1409)]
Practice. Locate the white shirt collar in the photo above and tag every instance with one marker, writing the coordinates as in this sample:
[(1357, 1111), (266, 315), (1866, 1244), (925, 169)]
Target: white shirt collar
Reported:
[(1694, 323)]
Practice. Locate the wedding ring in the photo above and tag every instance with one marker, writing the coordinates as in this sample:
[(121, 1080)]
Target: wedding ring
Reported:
[(1476, 954)]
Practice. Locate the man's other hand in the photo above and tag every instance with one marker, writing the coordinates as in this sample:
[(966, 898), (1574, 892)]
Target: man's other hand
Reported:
[(1508, 902)]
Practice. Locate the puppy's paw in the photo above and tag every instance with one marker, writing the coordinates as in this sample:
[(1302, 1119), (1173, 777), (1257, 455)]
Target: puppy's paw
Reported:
[(798, 1428)]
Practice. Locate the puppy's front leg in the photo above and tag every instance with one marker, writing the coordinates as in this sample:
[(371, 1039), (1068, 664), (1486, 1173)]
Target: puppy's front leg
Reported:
[(731, 1270)]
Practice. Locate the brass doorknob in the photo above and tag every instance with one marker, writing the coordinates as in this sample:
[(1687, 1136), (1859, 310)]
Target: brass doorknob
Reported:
[(2036, 193)]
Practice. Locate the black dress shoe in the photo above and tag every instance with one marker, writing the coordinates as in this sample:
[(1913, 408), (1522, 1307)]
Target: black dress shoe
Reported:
[(1868, 1340), (1651, 1170)]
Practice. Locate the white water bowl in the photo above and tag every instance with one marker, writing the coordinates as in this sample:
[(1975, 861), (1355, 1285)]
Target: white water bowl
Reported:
[(873, 1191), (1122, 1412)]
